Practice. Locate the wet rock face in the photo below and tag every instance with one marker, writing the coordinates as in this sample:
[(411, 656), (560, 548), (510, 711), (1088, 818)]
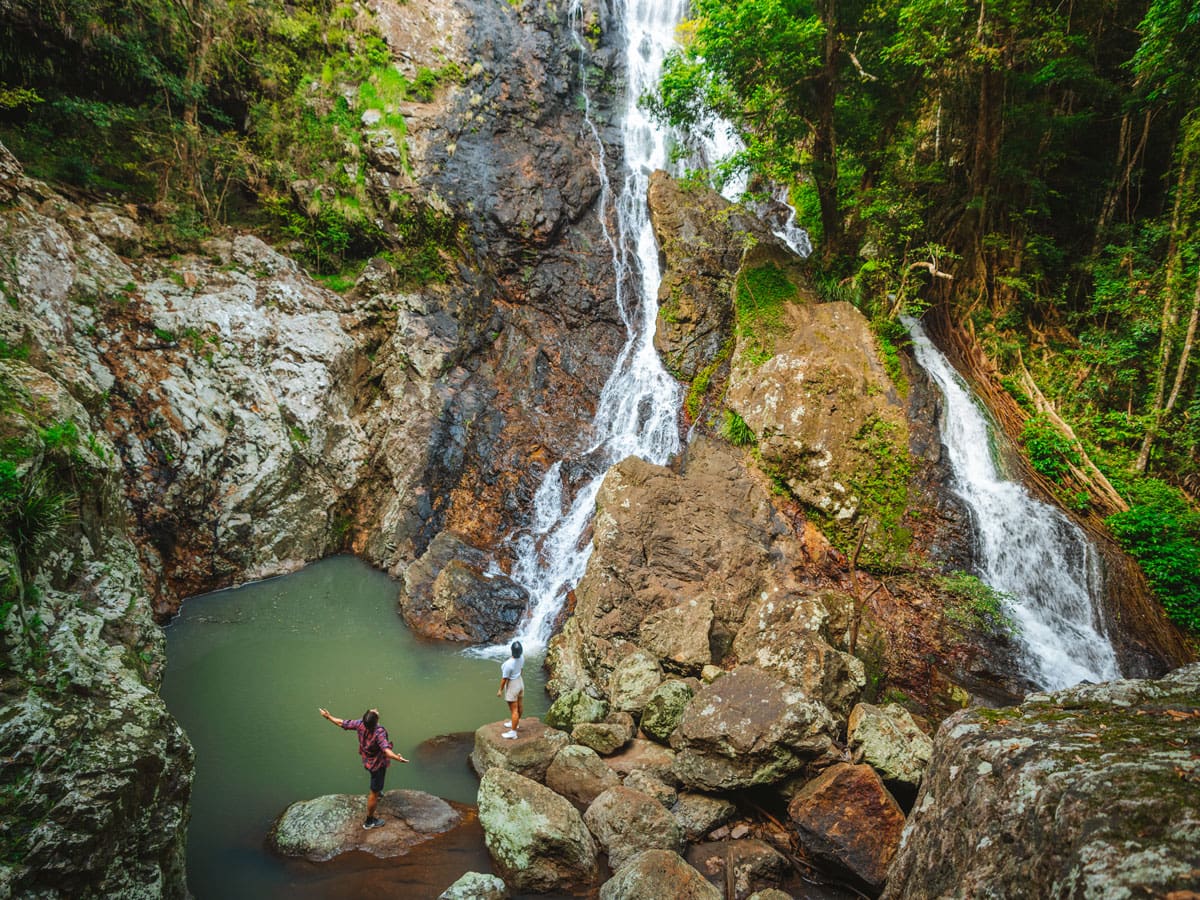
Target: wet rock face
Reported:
[(511, 156), (701, 238), (448, 596), (1085, 792), (326, 827)]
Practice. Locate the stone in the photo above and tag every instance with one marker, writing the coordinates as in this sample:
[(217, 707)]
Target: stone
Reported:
[(448, 596), (746, 866), (845, 816), (647, 756), (656, 874), (606, 736), (770, 894), (647, 783), (579, 774), (634, 681), (746, 729), (664, 709), (537, 840), (626, 822), (679, 636), (709, 674), (530, 754), (824, 408), (476, 886), (699, 814), (782, 633), (1088, 792), (325, 827), (889, 741), (573, 707), (702, 238)]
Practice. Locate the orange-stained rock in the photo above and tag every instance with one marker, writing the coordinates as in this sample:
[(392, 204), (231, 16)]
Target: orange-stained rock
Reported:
[(847, 817)]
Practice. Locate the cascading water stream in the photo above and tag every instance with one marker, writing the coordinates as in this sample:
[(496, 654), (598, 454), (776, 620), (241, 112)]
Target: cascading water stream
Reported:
[(636, 415), (1028, 549)]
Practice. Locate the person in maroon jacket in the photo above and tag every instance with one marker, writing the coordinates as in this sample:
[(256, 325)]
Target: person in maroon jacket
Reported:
[(376, 752)]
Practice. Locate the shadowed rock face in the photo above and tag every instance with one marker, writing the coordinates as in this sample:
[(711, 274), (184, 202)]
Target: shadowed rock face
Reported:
[(1085, 792)]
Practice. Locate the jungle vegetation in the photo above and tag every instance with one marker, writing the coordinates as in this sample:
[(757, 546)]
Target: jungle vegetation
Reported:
[(1026, 173)]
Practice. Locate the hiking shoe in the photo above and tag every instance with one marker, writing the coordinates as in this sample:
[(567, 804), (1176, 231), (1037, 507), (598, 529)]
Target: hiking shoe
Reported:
[(508, 725), (372, 823), (510, 734)]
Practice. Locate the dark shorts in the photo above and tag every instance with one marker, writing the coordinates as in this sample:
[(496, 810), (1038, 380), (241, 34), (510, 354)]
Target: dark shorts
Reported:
[(377, 779)]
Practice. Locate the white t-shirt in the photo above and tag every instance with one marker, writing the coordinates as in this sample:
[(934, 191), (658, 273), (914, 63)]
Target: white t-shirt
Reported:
[(511, 668)]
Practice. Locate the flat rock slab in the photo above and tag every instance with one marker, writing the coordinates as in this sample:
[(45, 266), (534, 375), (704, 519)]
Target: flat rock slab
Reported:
[(325, 827), (530, 754)]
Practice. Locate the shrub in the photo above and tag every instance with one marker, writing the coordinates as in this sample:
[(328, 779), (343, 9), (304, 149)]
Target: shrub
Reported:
[(1162, 532), (976, 605), (1050, 452), (736, 431)]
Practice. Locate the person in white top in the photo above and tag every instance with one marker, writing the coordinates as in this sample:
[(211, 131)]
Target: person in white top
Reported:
[(512, 689)]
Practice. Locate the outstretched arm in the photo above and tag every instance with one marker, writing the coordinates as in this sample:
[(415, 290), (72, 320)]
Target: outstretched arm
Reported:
[(393, 755), (334, 719)]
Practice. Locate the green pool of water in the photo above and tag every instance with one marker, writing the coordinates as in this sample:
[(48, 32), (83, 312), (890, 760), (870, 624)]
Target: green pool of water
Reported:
[(247, 670)]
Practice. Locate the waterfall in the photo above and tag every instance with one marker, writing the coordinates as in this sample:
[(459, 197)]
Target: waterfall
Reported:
[(1028, 549), (636, 415)]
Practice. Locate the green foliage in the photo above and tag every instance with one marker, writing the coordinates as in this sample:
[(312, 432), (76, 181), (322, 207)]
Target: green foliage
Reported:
[(975, 605), (1162, 532), (880, 481), (759, 299), (892, 336), (1050, 452), (736, 431), (36, 516)]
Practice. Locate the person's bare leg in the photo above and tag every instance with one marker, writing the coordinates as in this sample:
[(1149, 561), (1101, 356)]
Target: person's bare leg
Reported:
[(517, 709), (514, 714), (372, 801)]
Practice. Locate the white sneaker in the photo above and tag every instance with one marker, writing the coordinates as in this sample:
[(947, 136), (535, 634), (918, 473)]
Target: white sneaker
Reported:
[(511, 735), (508, 725)]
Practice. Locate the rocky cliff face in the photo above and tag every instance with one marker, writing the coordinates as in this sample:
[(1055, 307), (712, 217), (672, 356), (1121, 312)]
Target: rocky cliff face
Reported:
[(1089, 792), (236, 419)]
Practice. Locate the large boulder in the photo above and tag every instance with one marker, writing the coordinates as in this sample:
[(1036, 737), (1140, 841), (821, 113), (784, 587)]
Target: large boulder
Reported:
[(749, 728), (626, 822), (537, 839), (634, 681), (447, 594), (846, 817), (655, 874), (645, 756), (530, 754), (698, 814), (608, 735), (782, 633), (1087, 792), (325, 827), (889, 741), (572, 707), (829, 421), (665, 708), (680, 636), (579, 774)]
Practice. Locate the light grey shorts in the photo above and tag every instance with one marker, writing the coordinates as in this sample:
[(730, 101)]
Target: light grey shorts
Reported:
[(513, 689)]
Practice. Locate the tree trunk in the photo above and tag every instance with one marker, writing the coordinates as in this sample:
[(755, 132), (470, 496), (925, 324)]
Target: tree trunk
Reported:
[(1165, 326)]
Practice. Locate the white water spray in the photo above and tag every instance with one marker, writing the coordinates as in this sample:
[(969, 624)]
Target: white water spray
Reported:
[(638, 405), (1028, 550)]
